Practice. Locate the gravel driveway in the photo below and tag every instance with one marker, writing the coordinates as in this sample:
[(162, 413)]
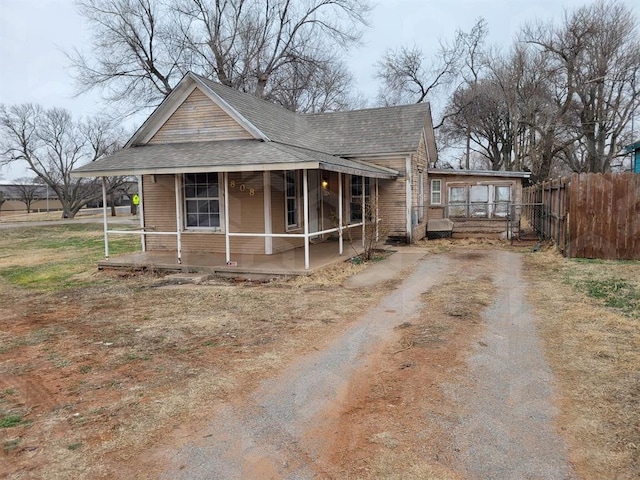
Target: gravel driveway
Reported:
[(505, 429)]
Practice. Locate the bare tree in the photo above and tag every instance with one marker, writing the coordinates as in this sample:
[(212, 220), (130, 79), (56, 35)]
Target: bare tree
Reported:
[(483, 120), (27, 190), (408, 76), (307, 88), (141, 48), (52, 144), (595, 59)]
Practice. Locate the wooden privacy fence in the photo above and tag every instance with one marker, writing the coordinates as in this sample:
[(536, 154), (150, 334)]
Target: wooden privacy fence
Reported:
[(588, 215)]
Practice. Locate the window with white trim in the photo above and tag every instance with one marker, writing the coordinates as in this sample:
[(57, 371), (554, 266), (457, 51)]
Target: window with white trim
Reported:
[(202, 200), (436, 191), (292, 198), (355, 205)]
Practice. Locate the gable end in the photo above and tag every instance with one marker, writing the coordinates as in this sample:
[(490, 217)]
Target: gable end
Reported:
[(199, 119)]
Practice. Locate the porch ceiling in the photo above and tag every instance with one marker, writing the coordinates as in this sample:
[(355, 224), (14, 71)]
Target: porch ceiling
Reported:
[(223, 156)]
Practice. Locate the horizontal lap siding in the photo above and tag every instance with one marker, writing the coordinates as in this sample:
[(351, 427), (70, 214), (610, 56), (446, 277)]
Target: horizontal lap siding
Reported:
[(246, 211), (160, 215), (278, 216), (392, 204), (198, 119), (159, 202)]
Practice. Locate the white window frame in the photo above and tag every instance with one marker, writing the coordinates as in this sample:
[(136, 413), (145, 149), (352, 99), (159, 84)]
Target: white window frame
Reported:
[(357, 199), (296, 199), (434, 182), (219, 198)]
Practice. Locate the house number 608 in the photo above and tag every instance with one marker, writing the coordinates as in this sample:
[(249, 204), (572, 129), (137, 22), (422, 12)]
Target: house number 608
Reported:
[(243, 187)]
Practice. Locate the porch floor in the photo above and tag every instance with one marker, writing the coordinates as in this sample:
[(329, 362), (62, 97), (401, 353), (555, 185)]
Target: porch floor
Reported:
[(286, 263)]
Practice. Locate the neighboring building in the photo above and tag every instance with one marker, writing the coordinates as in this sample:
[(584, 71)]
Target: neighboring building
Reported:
[(44, 199), (224, 171), (634, 150)]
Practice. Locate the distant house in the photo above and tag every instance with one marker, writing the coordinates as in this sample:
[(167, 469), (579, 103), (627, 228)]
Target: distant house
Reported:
[(222, 171), (43, 198), (634, 150)]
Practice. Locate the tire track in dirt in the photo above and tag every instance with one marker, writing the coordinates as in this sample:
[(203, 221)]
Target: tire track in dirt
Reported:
[(265, 436), (474, 402), (506, 427)]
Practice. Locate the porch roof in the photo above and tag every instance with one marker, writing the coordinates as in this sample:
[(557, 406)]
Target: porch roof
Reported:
[(224, 156)]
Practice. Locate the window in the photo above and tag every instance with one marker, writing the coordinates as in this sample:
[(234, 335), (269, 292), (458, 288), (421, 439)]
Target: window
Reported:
[(356, 197), (457, 201), (436, 192), (292, 198), (420, 195), (502, 198), (202, 200), (479, 201)]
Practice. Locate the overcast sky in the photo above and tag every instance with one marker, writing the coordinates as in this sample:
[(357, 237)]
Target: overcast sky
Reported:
[(33, 33)]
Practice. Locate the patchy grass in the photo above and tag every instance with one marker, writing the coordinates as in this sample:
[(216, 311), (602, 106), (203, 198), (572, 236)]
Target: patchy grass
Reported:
[(589, 312), (8, 421), (109, 364), (55, 258)]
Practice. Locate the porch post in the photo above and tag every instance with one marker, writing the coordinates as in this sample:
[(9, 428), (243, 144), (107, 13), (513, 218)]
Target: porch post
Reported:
[(143, 239), (364, 216), (409, 198), (177, 185), (104, 218), (268, 227), (227, 247), (305, 201), (340, 239), (377, 218)]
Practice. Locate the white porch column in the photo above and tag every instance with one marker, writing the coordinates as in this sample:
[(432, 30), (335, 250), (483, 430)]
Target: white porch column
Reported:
[(409, 198), (141, 214), (305, 201), (340, 238), (104, 218), (377, 218), (268, 227), (177, 184), (227, 247), (364, 209)]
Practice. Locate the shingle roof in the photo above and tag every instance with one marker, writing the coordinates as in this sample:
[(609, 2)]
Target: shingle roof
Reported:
[(328, 140), (221, 156), (350, 133)]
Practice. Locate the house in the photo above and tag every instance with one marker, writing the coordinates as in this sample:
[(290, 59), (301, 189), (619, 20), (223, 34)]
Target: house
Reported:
[(41, 198), (224, 172), (634, 150), (467, 203)]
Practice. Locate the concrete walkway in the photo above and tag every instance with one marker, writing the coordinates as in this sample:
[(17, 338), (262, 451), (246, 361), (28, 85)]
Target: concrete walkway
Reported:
[(403, 258)]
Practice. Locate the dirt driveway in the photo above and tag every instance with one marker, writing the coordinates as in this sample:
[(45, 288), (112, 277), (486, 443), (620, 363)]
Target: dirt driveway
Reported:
[(444, 378)]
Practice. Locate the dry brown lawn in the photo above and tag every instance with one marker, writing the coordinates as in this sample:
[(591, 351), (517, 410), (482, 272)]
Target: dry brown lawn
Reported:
[(97, 368), (590, 322)]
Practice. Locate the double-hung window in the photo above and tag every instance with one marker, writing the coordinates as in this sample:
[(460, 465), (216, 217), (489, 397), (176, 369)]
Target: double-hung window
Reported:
[(436, 191), (357, 188), (202, 200), (292, 198)]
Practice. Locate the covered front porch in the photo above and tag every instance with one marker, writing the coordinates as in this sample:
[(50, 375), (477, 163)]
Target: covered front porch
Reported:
[(288, 263)]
